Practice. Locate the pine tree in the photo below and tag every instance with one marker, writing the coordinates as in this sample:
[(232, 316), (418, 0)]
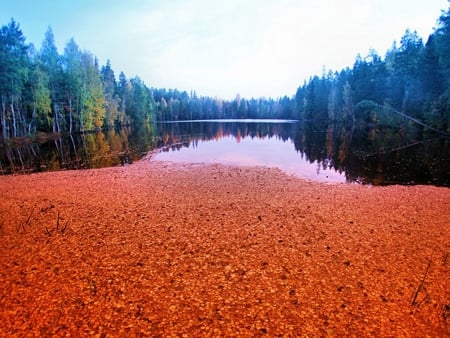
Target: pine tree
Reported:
[(72, 71), (39, 101), (92, 99), (14, 66), (111, 95), (50, 62)]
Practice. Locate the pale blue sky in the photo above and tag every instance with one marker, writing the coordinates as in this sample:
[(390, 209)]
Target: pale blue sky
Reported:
[(221, 48)]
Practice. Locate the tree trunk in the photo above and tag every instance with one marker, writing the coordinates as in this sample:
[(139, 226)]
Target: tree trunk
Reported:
[(56, 128), (70, 116), (405, 99), (3, 119), (13, 113), (33, 114)]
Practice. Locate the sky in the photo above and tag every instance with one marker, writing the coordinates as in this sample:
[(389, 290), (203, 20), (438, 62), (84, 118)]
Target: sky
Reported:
[(254, 48)]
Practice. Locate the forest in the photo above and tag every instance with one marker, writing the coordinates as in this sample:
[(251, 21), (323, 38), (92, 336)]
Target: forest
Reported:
[(44, 91)]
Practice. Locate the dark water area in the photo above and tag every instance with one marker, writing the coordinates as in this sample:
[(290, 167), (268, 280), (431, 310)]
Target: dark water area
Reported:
[(252, 143), (114, 147), (361, 153)]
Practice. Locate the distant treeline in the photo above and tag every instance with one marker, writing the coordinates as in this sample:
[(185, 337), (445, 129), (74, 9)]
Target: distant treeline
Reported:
[(413, 80), (41, 90)]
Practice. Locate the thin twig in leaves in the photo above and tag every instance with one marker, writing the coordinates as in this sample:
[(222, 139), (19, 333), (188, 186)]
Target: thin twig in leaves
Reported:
[(57, 221), (64, 227), (427, 297), (61, 231), (27, 222), (445, 259), (420, 287)]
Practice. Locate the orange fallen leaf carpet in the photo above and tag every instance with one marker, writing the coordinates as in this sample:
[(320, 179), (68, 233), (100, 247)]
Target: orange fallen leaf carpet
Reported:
[(163, 249)]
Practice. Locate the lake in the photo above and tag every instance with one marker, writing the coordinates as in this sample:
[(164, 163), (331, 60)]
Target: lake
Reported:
[(251, 143), (366, 154)]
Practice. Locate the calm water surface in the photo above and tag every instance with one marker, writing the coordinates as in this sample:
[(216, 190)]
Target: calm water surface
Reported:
[(327, 152), (265, 151), (368, 154)]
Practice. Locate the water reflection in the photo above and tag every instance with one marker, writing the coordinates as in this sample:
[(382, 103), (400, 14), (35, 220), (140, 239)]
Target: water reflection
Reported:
[(79, 151), (269, 151), (362, 152)]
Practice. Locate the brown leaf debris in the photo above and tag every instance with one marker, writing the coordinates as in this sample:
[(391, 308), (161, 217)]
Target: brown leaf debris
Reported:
[(161, 249)]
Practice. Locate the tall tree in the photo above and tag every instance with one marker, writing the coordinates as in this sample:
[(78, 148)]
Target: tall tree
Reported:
[(348, 110), (442, 36), (442, 52), (407, 64), (92, 100), (123, 89), (51, 64), (14, 64), (138, 101), (111, 95), (72, 82), (38, 98)]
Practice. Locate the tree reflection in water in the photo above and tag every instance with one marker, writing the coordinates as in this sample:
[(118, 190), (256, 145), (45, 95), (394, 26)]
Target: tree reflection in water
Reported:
[(364, 153), (269, 151)]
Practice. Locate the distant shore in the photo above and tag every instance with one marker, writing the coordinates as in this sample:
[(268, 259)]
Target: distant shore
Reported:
[(162, 249)]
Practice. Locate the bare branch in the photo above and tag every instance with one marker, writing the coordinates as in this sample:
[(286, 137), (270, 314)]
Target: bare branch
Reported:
[(420, 287), (57, 221)]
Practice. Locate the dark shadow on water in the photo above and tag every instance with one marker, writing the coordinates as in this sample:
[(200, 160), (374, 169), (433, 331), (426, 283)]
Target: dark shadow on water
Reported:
[(250, 143), (79, 151), (362, 153)]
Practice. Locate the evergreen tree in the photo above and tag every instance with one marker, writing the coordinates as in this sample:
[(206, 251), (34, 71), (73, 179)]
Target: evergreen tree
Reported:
[(92, 101), (111, 95), (38, 98), (348, 110), (123, 90), (14, 64), (72, 85), (442, 37), (51, 64), (407, 65), (70, 93), (138, 107), (441, 108)]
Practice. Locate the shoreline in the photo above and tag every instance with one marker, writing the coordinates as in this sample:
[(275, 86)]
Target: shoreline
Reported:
[(159, 248)]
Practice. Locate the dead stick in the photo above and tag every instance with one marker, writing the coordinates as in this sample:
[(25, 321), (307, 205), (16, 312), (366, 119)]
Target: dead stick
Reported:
[(57, 221), (27, 222), (64, 228), (29, 216), (422, 282)]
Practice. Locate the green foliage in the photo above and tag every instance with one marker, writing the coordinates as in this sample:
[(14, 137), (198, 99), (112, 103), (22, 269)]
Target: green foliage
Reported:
[(40, 102), (47, 91), (173, 105), (13, 76), (111, 96), (69, 93), (51, 63), (413, 79)]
